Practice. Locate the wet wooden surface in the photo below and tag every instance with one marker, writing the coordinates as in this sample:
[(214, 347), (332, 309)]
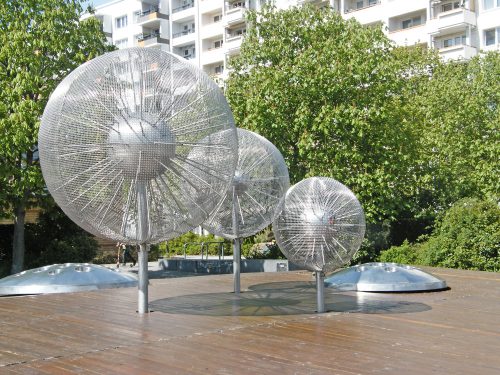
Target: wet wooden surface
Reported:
[(199, 327)]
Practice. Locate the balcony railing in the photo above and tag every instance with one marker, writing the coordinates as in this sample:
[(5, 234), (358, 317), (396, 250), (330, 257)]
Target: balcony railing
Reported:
[(143, 37), (183, 7), (147, 12), (182, 33), (369, 4), (236, 5)]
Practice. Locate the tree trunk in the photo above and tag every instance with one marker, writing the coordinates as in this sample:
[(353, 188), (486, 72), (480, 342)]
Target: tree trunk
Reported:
[(18, 239)]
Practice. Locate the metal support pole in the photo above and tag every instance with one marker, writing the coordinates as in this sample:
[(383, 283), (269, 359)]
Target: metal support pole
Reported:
[(320, 291), (142, 235), (236, 264), (142, 301), (236, 244)]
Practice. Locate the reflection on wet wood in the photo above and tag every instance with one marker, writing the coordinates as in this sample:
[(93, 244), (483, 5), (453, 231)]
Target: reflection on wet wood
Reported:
[(199, 327)]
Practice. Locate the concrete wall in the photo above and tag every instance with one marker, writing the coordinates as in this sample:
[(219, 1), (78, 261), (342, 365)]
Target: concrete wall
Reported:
[(226, 266)]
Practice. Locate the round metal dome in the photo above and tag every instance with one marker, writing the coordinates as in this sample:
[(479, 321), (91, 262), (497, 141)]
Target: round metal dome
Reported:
[(260, 182), (321, 225), (65, 278), (117, 140), (384, 277)]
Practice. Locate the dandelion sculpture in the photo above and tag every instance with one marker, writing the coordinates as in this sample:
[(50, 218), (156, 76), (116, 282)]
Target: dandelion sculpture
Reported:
[(320, 227), (119, 141), (259, 184)]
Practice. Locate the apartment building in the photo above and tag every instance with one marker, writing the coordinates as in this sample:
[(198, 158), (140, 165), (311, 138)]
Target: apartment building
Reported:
[(458, 29), (209, 32), (204, 32)]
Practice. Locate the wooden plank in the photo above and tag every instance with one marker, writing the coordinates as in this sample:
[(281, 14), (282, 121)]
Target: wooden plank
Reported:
[(201, 328)]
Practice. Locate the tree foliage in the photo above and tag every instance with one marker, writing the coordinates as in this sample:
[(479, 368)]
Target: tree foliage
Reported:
[(333, 96), (467, 236), (41, 41), (53, 239), (460, 121)]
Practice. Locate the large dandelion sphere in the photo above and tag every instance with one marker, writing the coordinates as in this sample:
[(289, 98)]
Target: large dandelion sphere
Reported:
[(321, 225), (115, 144), (260, 183)]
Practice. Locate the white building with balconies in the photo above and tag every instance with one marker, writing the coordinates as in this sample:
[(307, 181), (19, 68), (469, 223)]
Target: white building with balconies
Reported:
[(209, 32)]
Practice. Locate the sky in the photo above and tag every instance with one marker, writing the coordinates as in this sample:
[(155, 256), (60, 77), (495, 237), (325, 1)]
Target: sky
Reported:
[(94, 3)]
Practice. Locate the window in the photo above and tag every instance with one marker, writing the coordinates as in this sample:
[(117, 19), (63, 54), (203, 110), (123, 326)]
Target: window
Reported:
[(489, 4), (415, 21), (238, 4), (121, 22), (218, 18), (450, 6), (121, 43), (137, 15), (359, 4), (218, 44), (455, 41), (219, 69), (188, 52), (489, 37)]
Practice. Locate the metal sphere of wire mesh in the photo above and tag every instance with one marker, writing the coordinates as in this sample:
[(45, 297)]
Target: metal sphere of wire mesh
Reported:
[(321, 225), (116, 144), (260, 182)]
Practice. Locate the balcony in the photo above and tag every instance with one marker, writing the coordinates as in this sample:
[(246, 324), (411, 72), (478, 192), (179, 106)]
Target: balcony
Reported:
[(182, 12), (452, 21), (365, 12), (409, 29), (151, 39), (211, 30), (235, 12), (232, 45), (183, 7), (212, 56), (207, 6), (150, 17), (459, 52), (353, 6), (183, 37), (409, 36), (182, 33)]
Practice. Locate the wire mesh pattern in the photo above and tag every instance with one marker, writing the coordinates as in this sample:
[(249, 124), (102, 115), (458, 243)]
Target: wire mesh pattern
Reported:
[(321, 225), (260, 183), (121, 137)]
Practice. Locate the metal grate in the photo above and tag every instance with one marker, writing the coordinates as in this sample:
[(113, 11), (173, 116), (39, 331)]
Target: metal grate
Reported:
[(260, 182), (321, 226), (138, 146)]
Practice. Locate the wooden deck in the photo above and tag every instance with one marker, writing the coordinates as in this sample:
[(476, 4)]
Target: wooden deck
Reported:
[(199, 327)]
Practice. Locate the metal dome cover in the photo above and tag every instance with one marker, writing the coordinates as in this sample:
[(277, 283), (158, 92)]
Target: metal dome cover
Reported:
[(384, 277), (65, 278), (321, 224), (121, 136), (260, 183)]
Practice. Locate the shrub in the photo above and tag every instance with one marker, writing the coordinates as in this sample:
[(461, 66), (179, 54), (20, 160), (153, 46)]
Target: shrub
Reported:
[(56, 239), (175, 246), (467, 236), (406, 254)]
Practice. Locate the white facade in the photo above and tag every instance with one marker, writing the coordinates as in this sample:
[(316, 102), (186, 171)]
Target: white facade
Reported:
[(207, 32)]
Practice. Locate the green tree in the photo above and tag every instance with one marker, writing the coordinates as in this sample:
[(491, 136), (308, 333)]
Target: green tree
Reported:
[(335, 98), (460, 114), (41, 41), (466, 236)]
